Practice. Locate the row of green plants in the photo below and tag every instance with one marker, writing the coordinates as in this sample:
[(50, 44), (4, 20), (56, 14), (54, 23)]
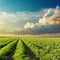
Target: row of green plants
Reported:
[(3, 40), (6, 50), (5, 43), (20, 52), (44, 48), (33, 48)]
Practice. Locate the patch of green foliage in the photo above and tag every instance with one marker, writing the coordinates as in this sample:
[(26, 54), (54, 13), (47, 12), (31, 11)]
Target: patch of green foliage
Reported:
[(42, 48)]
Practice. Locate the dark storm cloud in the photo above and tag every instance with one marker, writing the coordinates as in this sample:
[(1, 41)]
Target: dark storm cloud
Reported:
[(40, 30)]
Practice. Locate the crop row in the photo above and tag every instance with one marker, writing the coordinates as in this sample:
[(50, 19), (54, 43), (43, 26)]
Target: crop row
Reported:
[(44, 49), (20, 52), (7, 50)]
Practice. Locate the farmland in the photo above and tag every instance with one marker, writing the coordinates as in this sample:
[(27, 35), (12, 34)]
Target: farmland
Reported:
[(29, 48)]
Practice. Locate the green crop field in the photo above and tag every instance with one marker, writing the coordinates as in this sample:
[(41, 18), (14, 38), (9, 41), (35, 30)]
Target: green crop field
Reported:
[(29, 48)]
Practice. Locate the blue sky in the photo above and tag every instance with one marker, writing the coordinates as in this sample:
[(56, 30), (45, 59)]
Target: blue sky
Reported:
[(27, 5), (29, 16)]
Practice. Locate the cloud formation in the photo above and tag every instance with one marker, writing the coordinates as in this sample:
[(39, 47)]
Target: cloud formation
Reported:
[(43, 21), (49, 23)]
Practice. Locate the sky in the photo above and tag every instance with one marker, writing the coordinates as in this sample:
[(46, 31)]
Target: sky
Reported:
[(27, 5), (29, 17)]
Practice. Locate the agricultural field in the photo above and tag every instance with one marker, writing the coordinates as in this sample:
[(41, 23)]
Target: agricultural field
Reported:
[(29, 48)]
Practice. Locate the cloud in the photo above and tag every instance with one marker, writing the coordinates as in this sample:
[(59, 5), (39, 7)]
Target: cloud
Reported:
[(29, 25), (11, 21), (55, 19), (43, 21), (49, 23)]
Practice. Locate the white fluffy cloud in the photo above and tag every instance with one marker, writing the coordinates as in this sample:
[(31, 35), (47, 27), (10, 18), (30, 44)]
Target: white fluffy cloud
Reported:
[(49, 23), (48, 18), (12, 21), (29, 25), (30, 22)]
